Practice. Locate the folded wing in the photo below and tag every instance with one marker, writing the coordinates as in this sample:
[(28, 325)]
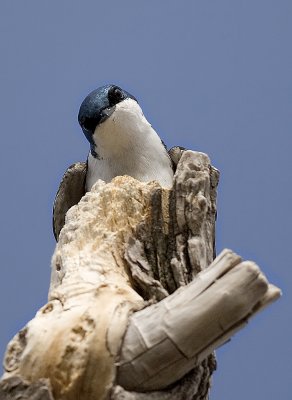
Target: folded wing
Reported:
[(70, 192)]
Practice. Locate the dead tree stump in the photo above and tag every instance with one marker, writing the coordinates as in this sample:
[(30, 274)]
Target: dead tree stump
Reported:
[(133, 312)]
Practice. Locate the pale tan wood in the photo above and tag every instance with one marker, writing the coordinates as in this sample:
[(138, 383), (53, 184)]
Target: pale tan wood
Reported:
[(129, 248), (164, 341)]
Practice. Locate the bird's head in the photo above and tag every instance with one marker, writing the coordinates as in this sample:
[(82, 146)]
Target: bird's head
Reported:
[(98, 106)]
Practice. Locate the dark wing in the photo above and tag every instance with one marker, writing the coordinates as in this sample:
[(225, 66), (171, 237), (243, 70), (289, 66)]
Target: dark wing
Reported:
[(71, 189), (175, 155)]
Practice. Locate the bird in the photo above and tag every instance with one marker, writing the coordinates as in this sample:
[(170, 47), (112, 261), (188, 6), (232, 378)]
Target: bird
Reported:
[(122, 142)]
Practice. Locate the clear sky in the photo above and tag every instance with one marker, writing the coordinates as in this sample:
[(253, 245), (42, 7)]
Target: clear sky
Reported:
[(213, 76)]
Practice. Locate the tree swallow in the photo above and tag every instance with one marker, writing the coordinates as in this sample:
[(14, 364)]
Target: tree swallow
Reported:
[(122, 142)]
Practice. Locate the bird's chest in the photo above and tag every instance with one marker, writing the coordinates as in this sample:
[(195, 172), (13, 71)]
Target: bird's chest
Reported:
[(143, 167), (107, 169)]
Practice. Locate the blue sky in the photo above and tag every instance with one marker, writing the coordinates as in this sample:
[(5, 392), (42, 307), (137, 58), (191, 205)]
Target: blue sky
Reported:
[(210, 76)]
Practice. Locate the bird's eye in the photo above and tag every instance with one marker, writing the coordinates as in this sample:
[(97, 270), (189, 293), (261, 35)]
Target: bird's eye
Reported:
[(118, 93), (89, 124), (115, 95)]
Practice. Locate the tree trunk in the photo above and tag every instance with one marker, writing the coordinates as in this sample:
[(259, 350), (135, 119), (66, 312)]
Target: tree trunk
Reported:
[(133, 313)]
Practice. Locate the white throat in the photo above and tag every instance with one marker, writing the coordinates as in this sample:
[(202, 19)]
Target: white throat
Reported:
[(127, 145)]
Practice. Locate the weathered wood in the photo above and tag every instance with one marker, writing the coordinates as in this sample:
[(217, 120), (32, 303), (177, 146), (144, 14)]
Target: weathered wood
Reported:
[(15, 388), (123, 262), (166, 340)]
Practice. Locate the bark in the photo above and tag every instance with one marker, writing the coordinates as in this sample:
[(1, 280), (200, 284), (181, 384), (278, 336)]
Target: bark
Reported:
[(133, 313)]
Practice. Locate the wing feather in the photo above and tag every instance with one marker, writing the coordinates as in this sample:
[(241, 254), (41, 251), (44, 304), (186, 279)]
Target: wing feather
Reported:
[(175, 154), (70, 192)]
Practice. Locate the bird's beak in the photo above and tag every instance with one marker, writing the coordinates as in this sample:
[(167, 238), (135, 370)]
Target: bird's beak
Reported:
[(105, 113)]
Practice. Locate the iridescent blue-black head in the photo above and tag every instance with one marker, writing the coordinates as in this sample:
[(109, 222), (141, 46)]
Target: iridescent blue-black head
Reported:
[(97, 107)]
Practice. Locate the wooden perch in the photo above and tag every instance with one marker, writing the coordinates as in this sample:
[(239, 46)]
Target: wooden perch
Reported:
[(133, 313), (166, 340)]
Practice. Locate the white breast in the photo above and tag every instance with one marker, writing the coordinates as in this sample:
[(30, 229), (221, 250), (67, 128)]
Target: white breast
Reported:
[(128, 145)]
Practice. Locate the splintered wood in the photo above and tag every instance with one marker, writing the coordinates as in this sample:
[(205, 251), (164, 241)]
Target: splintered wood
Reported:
[(164, 341), (133, 312)]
